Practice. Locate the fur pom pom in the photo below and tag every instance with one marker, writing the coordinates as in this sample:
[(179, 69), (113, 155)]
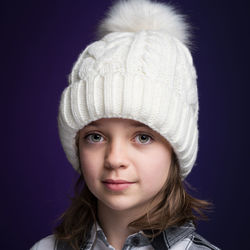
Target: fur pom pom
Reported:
[(138, 15)]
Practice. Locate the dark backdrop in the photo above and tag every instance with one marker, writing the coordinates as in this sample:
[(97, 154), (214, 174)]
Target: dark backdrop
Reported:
[(40, 41)]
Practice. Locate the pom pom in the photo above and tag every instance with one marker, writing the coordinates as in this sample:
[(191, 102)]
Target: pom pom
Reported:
[(138, 15)]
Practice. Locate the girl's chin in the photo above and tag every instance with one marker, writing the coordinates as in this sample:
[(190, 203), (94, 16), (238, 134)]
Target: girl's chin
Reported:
[(122, 206)]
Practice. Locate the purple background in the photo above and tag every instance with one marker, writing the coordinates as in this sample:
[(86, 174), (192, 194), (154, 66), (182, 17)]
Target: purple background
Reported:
[(40, 41)]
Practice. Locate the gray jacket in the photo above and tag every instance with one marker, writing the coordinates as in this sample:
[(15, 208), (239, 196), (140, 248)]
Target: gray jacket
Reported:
[(183, 237)]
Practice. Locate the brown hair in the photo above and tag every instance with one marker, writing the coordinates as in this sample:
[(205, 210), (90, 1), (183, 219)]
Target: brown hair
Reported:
[(174, 207)]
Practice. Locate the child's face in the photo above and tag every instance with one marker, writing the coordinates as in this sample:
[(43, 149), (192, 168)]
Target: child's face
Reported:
[(124, 163)]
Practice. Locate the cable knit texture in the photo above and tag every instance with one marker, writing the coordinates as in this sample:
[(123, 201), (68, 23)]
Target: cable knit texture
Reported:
[(145, 75)]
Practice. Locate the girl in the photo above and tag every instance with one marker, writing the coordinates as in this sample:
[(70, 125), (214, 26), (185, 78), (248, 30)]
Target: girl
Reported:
[(128, 125)]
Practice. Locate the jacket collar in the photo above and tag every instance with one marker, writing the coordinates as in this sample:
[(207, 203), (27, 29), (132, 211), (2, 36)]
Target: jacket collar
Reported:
[(165, 240), (172, 235)]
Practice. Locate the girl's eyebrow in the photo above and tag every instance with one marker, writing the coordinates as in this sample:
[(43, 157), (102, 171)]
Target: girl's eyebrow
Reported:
[(134, 124)]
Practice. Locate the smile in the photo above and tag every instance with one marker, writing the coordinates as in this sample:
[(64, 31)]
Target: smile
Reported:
[(117, 185)]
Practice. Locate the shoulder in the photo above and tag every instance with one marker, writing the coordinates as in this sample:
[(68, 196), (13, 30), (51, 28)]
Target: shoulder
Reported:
[(47, 243), (200, 243), (194, 242)]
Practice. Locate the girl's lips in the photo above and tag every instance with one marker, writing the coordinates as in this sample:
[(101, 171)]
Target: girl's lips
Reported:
[(116, 181), (117, 185)]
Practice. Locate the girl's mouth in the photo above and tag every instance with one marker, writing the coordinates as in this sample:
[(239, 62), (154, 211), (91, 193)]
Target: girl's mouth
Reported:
[(117, 185)]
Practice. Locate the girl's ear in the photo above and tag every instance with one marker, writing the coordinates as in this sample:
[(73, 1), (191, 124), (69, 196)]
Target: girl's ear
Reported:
[(77, 146), (77, 139), (77, 151)]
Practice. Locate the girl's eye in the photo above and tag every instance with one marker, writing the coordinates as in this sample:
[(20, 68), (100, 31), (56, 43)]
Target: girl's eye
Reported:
[(96, 138), (144, 139), (93, 138)]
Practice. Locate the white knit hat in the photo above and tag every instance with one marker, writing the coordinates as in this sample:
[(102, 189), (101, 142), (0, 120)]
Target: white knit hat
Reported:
[(140, 69)]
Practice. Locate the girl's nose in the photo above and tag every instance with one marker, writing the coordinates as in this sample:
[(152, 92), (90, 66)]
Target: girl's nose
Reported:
[(116, 155)]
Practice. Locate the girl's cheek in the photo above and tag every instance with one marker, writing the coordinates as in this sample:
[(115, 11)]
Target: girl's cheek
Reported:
[(91, 164), (155, 169), (90, 175)]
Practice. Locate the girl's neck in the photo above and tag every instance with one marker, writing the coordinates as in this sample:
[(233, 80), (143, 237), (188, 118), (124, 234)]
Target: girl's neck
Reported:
[(115, 224)]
